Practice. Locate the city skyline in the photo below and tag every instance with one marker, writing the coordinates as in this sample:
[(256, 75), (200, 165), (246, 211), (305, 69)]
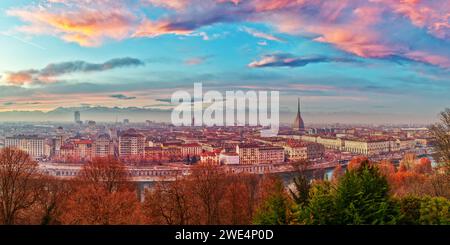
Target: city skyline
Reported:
[(350, 61)]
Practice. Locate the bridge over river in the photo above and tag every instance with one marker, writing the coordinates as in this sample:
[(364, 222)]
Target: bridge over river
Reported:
[(156, 173), (146, 176)]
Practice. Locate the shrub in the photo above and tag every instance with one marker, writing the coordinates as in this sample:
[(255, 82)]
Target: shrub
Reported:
[(435, 211)]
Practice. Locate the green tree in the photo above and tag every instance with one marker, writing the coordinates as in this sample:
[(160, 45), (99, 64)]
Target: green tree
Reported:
[(302, 186), (300, 191), (321, 208), (435, 211), (362, 197), (410, 210), (274, 210)]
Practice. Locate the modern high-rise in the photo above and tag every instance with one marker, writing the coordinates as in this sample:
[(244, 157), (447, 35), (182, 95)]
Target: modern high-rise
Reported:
[(77, 117), (298, 125)]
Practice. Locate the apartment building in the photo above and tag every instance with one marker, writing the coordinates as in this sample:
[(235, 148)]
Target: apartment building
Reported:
[(256, 154), (103, 146), (34, 145), (131, 145)]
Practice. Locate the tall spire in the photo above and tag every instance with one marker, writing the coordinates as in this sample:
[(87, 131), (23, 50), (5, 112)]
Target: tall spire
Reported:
[(298, 122)]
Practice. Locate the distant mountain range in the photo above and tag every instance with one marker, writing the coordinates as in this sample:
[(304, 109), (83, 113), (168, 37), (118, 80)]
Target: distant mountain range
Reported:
[(97, 113), (141, 114)]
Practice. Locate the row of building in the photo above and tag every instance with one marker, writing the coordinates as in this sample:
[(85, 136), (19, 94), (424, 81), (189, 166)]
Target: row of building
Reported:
[(363, 146), (136, 147), (129, 145), (254, 153)]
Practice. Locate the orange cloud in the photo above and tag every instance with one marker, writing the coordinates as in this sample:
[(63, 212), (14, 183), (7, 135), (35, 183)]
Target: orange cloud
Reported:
[(18, 78), (85, 26), (363, 28), (270, 5), (172, 4), (156, 28)]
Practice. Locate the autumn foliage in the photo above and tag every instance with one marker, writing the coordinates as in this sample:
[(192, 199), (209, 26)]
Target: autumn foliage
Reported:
[(355, 163), (208, 196), (19, 185), (103, 194)]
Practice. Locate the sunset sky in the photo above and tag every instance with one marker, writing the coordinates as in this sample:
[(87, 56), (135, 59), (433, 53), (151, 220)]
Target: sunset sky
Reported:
[(383, 59)]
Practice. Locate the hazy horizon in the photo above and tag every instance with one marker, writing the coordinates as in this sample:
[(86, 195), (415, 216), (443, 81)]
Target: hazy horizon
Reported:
[(136, 114)]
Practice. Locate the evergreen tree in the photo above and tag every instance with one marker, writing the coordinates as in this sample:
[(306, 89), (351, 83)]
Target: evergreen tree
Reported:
[(321, 209), (300, 192), (362, 197), (275, 208), (410, 210), (435, 211)]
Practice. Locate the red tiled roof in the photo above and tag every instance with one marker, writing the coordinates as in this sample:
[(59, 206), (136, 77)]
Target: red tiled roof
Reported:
[(82, 142), (249, 145)]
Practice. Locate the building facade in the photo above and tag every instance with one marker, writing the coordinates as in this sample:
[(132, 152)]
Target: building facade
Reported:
[(297, 151), (103, 146), (34, 146), (255, 154), (229, 158), (191, 150), (131, 145)]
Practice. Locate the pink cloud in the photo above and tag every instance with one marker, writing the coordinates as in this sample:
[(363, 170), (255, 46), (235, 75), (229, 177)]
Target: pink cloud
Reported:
[(426, 57), (362, 28), (271, 5), (357, 31), (172, 4), (434, 15), (156, 28), (262, 35), (82, 24), (195, 61)]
